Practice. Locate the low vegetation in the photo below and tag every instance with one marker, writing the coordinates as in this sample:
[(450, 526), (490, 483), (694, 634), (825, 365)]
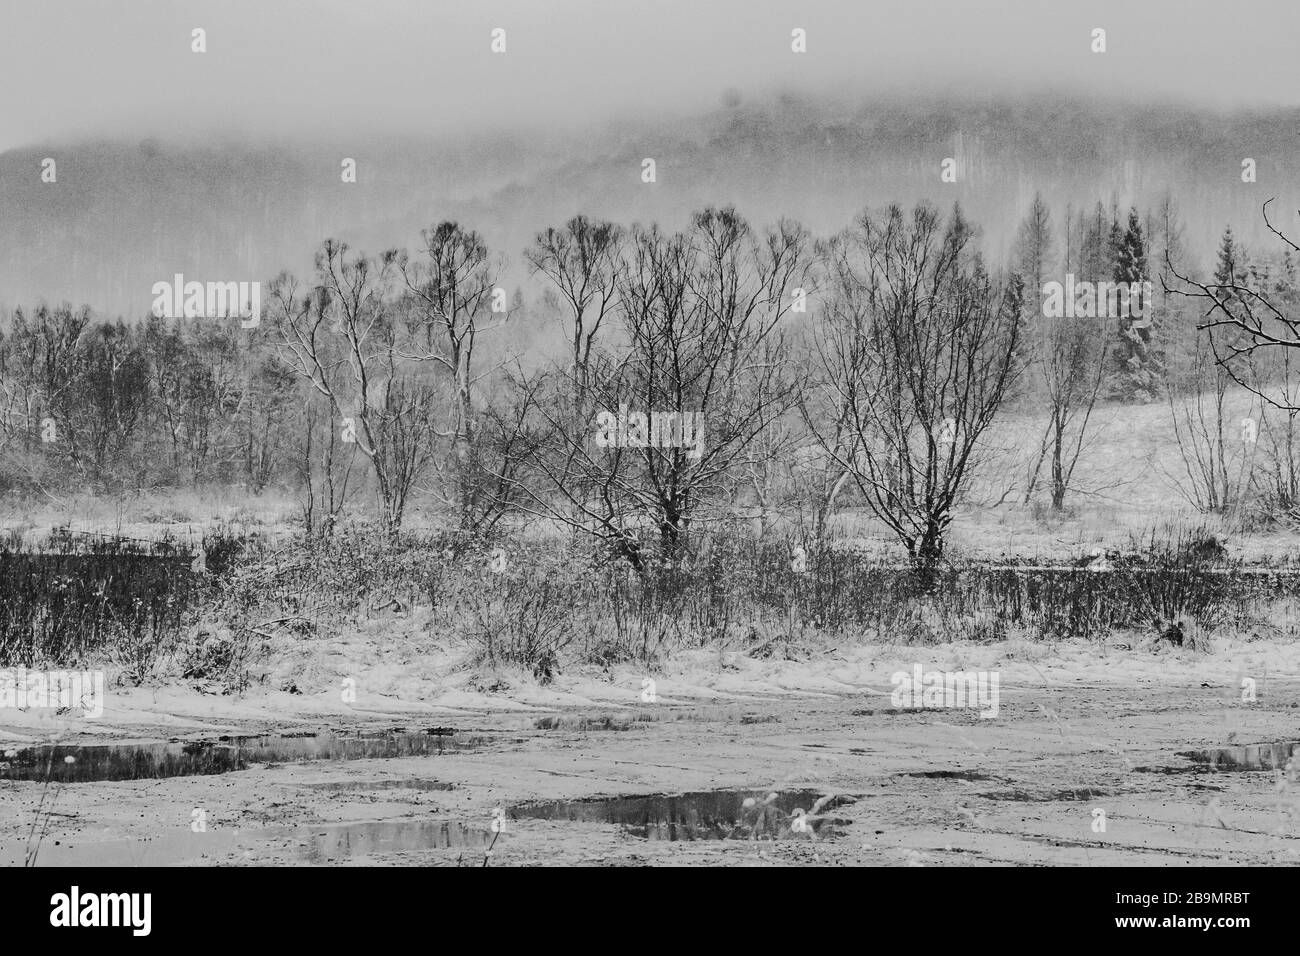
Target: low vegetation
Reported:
[(546, 606)]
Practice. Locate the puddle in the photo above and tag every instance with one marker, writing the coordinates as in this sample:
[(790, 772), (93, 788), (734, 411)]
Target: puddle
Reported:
[(159, 849), (949, 775), (223, 755), (704, 815), (333, 786), (308, 844), (605, 722), (632, 720), (1050, 796), (347, 841), (1245, 757)]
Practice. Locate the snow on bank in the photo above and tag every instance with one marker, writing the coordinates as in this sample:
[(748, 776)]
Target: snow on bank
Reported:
[(350, 686)]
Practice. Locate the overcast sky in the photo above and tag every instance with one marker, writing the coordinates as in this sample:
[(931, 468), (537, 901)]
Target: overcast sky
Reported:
[(74, 68)]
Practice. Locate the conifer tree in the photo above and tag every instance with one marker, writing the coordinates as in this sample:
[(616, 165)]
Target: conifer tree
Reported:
[(1135, 372)]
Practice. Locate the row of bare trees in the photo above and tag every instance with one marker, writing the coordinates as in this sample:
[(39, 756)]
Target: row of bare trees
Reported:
[(110, 404), (877, 359), (774, 371)]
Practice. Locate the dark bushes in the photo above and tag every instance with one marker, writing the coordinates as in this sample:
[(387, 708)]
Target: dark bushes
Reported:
[(530, 604), (109, 599)]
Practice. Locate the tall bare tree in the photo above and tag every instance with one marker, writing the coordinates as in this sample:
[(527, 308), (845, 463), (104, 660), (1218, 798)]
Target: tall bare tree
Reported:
[(1068, 354), (582, 259), (450, 287), (699, 340), (342, 338), (919, 347)]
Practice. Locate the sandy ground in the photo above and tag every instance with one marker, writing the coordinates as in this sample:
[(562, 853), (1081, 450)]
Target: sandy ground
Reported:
[(1079, 731)]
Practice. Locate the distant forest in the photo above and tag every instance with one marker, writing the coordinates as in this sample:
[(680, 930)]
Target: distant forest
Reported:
[(125, 214)]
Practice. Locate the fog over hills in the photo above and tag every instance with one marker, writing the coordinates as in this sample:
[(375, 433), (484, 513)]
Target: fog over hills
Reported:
[(125, 214)]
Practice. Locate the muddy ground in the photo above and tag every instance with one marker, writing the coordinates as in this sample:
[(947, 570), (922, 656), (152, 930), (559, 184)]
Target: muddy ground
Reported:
[(1028, 787)]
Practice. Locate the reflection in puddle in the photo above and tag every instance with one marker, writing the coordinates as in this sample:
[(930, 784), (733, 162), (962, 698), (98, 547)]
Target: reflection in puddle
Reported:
[(395, 783), (1048, 796), (949, 775), (705, 815), (603, 722), (324, 843), (1245, 757), (346, 841), (193, 758)]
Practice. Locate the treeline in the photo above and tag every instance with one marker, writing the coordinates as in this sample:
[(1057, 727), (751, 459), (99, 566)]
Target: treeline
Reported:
[(157, 402), (1176, 349), (1107, 244), (867, 366)]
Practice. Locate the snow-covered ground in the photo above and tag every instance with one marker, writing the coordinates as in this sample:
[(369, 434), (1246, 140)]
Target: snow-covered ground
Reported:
[(1083, 734)]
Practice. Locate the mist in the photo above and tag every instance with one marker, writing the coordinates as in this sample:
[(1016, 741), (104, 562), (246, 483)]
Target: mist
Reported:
[(73, 69)]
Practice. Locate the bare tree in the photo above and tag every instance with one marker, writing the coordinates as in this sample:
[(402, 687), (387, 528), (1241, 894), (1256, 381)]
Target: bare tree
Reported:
[(1216, 466), (1279, 429), (195, 375), (698, 315), (817, 479), (919, 346), (1242, 318), (1072, 362), (341, 337), (111, 394), (1070, 355), (1249, 330), (582, 259), (449, 291), (324, 472)]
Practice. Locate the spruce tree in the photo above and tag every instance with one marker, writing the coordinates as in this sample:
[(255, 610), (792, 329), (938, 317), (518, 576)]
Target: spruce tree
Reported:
[(1097, 262), (1136, 372), (1226, 271), (1035, 259), (1231, 270)]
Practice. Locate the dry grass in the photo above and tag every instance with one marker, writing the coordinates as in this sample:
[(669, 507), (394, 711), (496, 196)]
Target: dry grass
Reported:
[(557, 603)]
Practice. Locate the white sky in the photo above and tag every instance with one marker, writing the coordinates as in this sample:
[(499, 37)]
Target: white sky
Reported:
[(78, 68)]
